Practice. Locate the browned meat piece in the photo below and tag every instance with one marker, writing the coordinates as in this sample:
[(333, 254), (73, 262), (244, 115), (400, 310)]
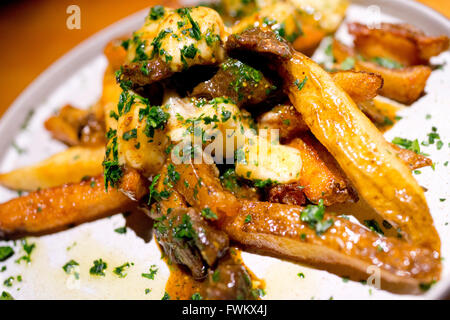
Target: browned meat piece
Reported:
[(237, 81), (141, 74), (400, 42), (229, 281), (256, 40), (56, 208), (277, 229), (287, 193), (189, 240)]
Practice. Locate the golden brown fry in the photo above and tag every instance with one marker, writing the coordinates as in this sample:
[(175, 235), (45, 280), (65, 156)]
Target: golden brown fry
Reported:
[(68, 166), (285, 118), (400, 42), (56, 208), (412, 159), (361, 151), (277, 229), (360, 86), (321, 177), (74, 126), (404, 85), (201, 188), (311, 38)]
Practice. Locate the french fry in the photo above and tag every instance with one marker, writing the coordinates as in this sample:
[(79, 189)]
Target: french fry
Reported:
[(68, 166), (53, 209), (411, 159), (404, 85), (321, 177), (361, 151), (360, 86), (400, 42), (278, 230)]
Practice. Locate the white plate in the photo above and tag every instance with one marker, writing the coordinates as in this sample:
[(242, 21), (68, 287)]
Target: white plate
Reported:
[(76, 79)]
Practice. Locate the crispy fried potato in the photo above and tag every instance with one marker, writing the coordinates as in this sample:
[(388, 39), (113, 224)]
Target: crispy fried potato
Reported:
[(361, 151), (400, 42), (115, 53), (277, 229), (321, 177), (285, 118), (360, 86), (201, 188), (65, 126), (404, 85), (74, 126), (68, 166), (310, 40), (56, 208), (411, 159)]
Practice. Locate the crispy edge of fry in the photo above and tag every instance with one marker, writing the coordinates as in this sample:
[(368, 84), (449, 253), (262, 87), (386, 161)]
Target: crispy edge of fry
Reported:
[(412, 159), (68, 166), (400, 42), (359, 85), (277, 229), (357, 145), (321, 177), (53, 209), (404, 85)]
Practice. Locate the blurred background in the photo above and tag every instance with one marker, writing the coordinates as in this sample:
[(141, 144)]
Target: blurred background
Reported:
[(33, 34)]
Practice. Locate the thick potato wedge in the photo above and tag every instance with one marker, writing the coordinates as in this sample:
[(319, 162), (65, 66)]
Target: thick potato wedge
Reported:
[(68, 166), (321, 177), (400, 42), (277, 229), (361, 151), (404, 85), (56, 208)]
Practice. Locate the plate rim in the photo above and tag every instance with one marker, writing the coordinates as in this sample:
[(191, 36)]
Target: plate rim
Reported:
[(49, 80)]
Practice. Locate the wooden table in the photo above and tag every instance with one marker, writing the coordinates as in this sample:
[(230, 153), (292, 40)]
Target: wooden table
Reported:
[(34, 34)]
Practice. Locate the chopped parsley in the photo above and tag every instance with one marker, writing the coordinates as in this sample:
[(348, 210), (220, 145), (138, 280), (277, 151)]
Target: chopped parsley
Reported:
[(407, 144), (132, 134), (5, 252), (207, 213), (70, 268), (374, 226), (184, 230), (248, 218), (196, 296), (348, 64), (299, 84), (151, 272), (387, 63), (264, 183), (165, 296), (6, 296), (313, 215), (156, 12), (28, 249), (120, 270), (99, 267), (121, 230)]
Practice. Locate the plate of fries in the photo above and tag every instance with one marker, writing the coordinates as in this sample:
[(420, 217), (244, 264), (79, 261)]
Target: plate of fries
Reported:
[(266, 150)]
